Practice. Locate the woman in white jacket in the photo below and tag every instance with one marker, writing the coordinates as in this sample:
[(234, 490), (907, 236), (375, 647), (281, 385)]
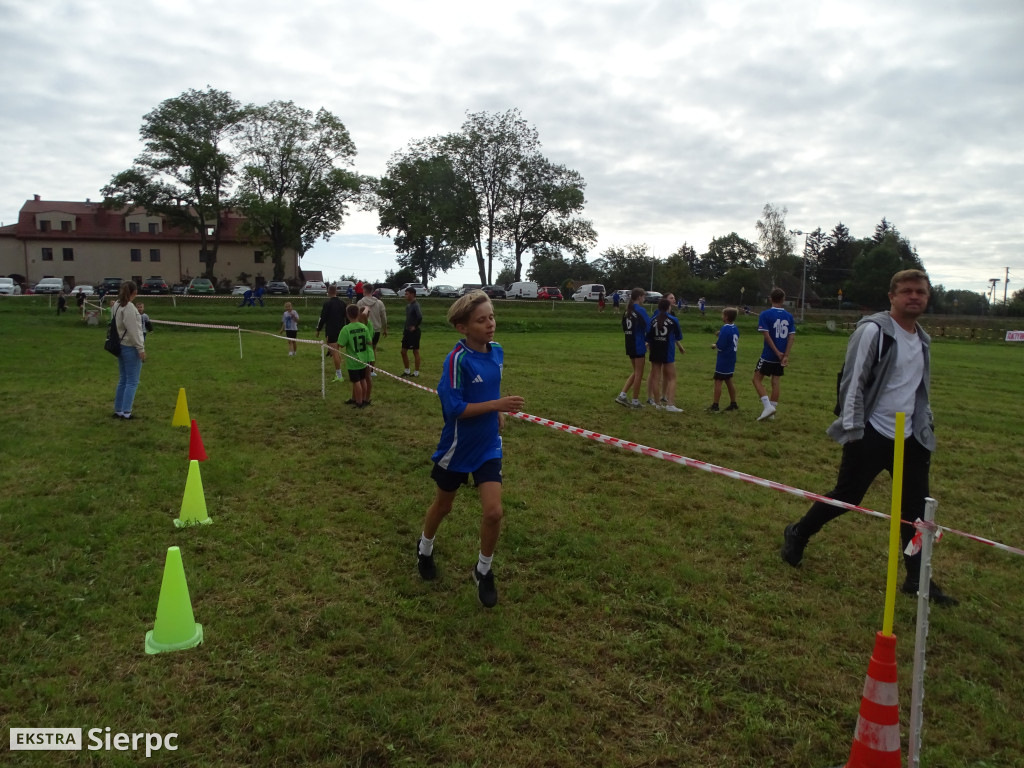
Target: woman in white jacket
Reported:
[(133, 349)]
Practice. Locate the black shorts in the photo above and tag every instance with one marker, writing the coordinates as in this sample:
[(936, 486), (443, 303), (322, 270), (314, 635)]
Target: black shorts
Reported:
[(767, 368), (448, 481), (411, 339), (376, 338), (331, 334), (292, 334), (722, 376), (659, 357), (357, 374)]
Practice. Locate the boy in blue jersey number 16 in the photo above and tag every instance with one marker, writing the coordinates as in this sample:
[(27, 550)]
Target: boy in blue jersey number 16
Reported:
[(474, 414), (779, 330)]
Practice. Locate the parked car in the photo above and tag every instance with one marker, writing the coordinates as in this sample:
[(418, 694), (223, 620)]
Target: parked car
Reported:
[(110, 285), (624, 294), (420, 288), (154, 285), (239, 290), (467, 287), (200, 285), (653, 297), (314, 288), (444, 291), (589, 292), (51, 285), (343, 287), (494, 291), (8, 287), (549, 292), (87, 290), (522, 291), (278, 288), (385, 293), (178, 289)]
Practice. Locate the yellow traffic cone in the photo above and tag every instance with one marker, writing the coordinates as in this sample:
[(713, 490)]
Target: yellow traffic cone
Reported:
[(181, 411), (175, 628), (193, 503)]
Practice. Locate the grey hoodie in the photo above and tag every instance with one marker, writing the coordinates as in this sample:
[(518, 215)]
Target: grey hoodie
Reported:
[(858, 400)]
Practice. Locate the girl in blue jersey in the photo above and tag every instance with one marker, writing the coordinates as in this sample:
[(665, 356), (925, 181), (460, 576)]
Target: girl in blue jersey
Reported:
[(635, 323), (474, 413), (663, 337)]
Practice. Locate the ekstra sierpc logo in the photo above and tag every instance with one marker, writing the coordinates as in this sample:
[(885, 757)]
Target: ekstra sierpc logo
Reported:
[(49, 739)]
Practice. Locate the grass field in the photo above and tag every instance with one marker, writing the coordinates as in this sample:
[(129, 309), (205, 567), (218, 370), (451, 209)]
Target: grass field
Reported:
[(645, 617)]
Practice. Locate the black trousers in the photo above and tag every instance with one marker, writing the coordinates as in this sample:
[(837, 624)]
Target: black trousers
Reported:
[(862, 461)]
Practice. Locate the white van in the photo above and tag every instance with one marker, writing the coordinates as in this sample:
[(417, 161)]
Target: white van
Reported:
[(522, 291), (589, 292)]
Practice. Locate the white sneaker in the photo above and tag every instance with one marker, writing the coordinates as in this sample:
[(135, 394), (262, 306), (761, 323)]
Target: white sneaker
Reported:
[(673, 409), (636, 404), (622, 399), (373, 373), (768, 412), (650, 401), (416, 374), (658, 407)]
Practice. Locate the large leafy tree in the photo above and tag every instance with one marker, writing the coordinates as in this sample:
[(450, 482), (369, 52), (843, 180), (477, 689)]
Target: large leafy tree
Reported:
[(296, 182), (775, 241), (627, 267), (725, 253), (835, 260), (548, 266), (432, 210), (542, 202), (873, 269), (184, 173)]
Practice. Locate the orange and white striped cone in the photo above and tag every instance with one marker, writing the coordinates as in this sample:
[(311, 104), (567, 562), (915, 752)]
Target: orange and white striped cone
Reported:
[(876, 742)]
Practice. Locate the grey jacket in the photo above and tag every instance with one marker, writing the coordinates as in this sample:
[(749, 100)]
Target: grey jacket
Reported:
[(858, 400)]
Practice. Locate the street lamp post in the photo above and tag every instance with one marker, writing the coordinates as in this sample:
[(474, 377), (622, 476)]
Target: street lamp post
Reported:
[(803, 281)]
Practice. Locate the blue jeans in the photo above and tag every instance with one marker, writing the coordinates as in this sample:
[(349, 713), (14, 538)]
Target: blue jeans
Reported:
[(129, 365)]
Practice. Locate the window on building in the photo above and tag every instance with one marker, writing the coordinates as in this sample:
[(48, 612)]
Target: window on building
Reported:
[(154, 228), (44, 226), (133, 227), (136, 254), (65, 226), (47, 254), (154, 254), (69, 254), (258, 256)]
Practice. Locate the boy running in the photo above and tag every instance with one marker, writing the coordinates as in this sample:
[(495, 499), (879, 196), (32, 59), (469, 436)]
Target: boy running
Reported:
[(474, 413)]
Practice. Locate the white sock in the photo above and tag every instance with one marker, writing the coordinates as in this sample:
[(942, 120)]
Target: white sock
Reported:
[(426, 545), (764, 401), (483, 565), (623, 396), (775, 403), (415, 373)]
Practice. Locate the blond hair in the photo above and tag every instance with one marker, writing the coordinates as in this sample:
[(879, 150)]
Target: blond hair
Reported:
[(462, 308)]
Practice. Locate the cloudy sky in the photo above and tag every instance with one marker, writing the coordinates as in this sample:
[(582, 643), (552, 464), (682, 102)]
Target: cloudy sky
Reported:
[(685, 116)]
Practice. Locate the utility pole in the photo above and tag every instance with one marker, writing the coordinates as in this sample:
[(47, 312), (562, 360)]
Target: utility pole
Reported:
[(803, 281), (1006, 284)]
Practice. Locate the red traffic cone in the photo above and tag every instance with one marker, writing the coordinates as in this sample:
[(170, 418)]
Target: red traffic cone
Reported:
[(195, 445), (876, 742)]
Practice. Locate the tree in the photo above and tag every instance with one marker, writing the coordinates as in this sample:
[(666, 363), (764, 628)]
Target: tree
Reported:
[(295, 182), (626, 267), (727, 252), (874, 268), (543, 199), (432, 209), (548, 266), (184, 174), (835, 261), (776, 242)]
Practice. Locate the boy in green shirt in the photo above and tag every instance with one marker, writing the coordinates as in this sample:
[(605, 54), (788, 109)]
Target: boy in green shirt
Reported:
[(357, 341)]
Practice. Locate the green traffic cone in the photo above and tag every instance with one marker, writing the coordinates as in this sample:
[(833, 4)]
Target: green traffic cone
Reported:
[(193, 503), (175, 628)]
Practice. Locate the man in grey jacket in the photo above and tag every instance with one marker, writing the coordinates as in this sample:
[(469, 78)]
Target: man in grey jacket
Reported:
[(886, 372)]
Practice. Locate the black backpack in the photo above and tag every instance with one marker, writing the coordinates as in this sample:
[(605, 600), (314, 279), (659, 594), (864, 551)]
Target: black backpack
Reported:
[(113, 342), (884, 347)]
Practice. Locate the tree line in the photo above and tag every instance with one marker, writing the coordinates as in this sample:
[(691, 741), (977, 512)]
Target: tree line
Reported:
[(486, 190)]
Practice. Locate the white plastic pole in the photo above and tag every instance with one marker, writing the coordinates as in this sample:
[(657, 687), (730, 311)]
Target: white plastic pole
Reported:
[(239, 342), (917, 690), (323, 372)]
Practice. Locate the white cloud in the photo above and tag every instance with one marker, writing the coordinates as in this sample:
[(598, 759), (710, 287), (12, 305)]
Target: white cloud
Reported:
[(684, 118)]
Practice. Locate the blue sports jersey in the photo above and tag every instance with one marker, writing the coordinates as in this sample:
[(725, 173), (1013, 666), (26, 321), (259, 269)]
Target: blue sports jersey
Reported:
[(634, 325), (663, 335), (780, 324), (469, 377), (727, 344)]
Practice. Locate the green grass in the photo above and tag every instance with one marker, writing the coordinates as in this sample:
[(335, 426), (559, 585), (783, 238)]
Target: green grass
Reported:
[(645, 618)]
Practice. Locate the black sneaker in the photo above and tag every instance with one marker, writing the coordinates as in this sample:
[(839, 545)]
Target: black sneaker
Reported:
[(350, 401), (485, 588), (935, 593), (713, 408), (793, 545), (732, 407), (428, 571)]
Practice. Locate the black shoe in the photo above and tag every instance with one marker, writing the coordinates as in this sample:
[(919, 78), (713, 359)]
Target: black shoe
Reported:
[(131, 417), (350, 401), (428, 571), (793, 545), (732, 407), (485, 589), (935, 593), (713, 408)]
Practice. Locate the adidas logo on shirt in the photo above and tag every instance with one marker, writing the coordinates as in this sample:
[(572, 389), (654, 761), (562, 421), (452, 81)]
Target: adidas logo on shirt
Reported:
[(478, 380)]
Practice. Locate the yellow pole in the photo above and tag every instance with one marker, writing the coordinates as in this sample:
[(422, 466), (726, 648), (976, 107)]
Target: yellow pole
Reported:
[(895, 513)]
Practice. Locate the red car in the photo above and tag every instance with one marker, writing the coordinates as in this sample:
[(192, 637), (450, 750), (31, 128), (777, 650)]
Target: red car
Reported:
[(549, 293)]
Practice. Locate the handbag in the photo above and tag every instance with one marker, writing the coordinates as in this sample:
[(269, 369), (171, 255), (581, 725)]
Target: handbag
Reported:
[(113, 342)]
